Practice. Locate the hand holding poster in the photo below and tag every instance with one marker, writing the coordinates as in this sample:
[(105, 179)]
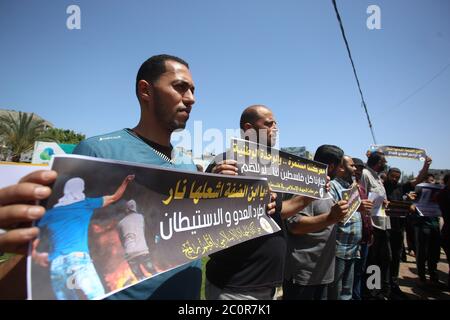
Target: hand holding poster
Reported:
[(284, 172), (354, 201), (401, 152), (427, 204), (398, 209), (110, 224)]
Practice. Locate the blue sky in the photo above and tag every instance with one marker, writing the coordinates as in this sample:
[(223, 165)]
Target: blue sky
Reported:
[(288, 55)]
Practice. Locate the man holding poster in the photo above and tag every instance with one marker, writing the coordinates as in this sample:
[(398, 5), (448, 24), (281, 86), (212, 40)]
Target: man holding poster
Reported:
[(253, 269), (380, 251), (426, 230), (348, 232), (312, 239), (398, 193), (165, 91)]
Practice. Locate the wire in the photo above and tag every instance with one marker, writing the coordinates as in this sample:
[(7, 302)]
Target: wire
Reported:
[(363, 102), (420, 88)]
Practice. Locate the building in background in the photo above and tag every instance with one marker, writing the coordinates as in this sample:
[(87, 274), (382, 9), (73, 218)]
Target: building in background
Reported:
[(299, 152)]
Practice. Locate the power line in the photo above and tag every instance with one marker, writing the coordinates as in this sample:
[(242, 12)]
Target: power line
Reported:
[(363, 102), (421, 87)]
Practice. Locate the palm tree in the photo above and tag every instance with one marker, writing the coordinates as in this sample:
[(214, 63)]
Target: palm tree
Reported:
[(19, 133)]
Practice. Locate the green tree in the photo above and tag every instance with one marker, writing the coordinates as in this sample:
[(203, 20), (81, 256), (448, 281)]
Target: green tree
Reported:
[(19, 133), (61, 136)]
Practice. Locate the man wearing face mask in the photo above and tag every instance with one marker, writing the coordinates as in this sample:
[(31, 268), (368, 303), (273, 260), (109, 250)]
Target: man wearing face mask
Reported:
[(398, 191)]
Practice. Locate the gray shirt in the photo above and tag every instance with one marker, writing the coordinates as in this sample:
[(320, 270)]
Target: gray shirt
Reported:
[(373, 183), (311, 256), (131, 229)]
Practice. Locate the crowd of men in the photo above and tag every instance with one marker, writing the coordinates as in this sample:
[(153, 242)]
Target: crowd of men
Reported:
[(315, 256)]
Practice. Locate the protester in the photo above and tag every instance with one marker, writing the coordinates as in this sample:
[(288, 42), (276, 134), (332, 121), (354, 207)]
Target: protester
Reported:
[(366, 238), (253, 269), (444, 204), (312, 239), (380, 251), (398, 192), (165, 91), (348, 235), (427, 240)]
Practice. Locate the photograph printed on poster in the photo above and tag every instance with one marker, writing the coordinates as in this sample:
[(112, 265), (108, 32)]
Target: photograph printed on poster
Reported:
[(110, 225)]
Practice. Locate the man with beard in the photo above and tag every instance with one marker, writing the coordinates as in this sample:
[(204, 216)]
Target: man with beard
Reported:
[(251, 270), (348, 236), (312, 239), (380, 251), (398, 192), (165, 91), (366, 240)]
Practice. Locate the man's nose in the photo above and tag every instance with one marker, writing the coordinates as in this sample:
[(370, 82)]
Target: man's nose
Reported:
[(188, 97)]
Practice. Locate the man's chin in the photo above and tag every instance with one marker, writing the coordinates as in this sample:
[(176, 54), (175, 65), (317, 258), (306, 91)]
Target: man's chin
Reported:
[(178, 125)]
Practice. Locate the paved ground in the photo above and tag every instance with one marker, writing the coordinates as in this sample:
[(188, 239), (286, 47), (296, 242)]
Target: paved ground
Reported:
[(409, 281)]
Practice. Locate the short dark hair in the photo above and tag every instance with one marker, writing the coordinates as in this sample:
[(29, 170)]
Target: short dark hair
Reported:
[(358, 162), (430, 175), (446, 177), (374, 158), (329, 154), (154, 67), (394, 170), (250, 115)]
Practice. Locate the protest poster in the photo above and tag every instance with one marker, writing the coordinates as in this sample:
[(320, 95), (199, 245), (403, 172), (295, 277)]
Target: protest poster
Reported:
[(377, 209), (12, 172), (353, 199), (427, 203), (398, 209), (135, 221), (400, 152), (284, 172)]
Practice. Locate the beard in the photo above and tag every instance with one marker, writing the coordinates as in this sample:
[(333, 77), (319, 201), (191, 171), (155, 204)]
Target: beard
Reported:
[(167, 116), (390, 186)]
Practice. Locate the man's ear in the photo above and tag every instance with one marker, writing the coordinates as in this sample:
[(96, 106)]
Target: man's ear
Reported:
[(145, 90), (331, 168), (247, 126)]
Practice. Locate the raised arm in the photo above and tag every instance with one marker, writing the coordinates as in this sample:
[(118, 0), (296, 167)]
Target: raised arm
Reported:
[(107, 200), (423, 172)]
